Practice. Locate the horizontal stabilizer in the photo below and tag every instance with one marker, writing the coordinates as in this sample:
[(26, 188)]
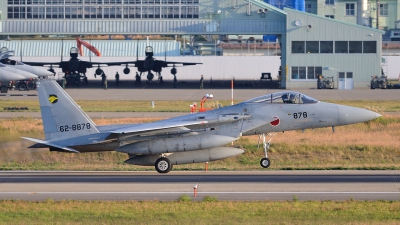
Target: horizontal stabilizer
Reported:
[(51, 144)]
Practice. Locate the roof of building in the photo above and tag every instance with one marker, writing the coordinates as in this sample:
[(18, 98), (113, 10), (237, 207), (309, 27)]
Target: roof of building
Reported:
[(336, 21)]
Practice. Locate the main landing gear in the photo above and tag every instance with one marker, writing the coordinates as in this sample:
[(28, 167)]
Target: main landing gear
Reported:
[(265, 162), (163, 165)]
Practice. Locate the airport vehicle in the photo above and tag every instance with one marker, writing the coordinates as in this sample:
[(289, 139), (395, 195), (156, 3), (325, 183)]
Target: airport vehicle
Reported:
[(325, 82), (380, 82), (191, 138)]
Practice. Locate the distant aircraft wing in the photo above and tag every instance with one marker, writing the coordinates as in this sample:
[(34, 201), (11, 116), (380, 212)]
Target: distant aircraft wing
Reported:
[(136, 63), (42, 63), (171, 64)]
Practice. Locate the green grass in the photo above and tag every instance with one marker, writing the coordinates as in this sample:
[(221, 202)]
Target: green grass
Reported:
[(119, 106), (179, 106), (199, 212)]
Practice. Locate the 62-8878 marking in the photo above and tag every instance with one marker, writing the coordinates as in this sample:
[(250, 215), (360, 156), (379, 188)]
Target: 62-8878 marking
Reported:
[(75, 127)]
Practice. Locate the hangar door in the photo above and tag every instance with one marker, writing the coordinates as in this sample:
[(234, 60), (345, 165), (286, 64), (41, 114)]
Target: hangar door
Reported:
[(346, 81)]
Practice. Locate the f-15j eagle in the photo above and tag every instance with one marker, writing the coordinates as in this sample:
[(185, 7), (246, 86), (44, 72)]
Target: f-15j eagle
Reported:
[(186, 139)]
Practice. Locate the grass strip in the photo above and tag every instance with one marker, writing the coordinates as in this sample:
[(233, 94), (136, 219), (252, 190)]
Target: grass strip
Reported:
[(206, 211)]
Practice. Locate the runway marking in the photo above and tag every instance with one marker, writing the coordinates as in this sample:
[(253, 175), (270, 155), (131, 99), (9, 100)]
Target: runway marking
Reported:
[(206, 192)]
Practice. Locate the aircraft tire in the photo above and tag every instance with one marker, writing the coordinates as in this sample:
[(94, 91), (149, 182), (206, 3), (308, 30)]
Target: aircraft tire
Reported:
[(163, 165), (23, 87), (3, 89), (372, 85), (265, 162)]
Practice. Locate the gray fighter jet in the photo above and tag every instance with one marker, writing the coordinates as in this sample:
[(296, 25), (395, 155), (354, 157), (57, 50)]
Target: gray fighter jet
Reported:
[(186, 139)]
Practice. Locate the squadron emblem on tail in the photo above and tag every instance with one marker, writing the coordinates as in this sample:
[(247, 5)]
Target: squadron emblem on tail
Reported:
[(53, 99)]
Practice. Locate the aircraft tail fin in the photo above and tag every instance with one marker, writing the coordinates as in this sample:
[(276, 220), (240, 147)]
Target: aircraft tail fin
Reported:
[(62, 117)]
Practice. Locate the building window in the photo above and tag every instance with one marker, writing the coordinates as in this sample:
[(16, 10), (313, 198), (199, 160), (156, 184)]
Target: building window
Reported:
[(306, 73), (310, 72), (94, 2), (170, 12), (384, 9), (326, 47), (54, 12), (73, 12), (112, 12), (16, 2), (308, 7), (35, 12), (312, 47), (132, 12), (54, 2), (349, 9), (329, 2), (369, 46), (355, 46), (341, 47), (330, 16), (189, 12), (16, 12), (298, 47), (93, 12), (35, 2), (299, 73)]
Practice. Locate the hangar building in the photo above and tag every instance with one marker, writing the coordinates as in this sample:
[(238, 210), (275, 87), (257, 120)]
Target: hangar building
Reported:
[(310, 44)]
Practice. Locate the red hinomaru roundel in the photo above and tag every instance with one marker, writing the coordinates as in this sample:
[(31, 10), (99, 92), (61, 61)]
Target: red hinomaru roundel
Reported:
[(275, 122)]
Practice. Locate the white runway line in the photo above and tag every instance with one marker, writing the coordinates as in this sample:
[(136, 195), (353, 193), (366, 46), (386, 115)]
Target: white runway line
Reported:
[(206, 192)]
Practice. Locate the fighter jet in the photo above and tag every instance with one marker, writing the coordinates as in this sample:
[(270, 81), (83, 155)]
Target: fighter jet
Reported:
[(192, 138), (147, 65), (11, 70), (5, 55)]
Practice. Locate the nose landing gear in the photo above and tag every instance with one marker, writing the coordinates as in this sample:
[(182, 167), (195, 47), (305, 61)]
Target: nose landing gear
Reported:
[(265, 162)]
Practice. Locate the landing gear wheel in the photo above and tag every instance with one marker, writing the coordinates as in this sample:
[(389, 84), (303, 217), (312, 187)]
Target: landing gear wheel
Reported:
[(163, 165), (265, 163)]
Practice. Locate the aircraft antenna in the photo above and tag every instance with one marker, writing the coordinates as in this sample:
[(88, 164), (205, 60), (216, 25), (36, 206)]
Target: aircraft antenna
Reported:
[(62, 48), (90, 52), (137, 50), (20, 52)]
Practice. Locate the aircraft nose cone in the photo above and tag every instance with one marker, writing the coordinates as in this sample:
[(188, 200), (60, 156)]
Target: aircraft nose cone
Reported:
[(349, 115)]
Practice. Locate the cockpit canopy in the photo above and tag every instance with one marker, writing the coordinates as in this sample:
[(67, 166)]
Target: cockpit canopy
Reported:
[(287, 97), (149, 51), (74, 50), (3, 49)]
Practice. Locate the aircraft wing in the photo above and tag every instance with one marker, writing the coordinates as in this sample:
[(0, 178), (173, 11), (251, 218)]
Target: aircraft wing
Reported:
[(171, 64), (118, 63), (160, 126), (42, 63)]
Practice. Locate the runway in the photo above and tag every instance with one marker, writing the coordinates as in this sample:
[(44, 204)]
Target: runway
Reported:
[(233, 185)]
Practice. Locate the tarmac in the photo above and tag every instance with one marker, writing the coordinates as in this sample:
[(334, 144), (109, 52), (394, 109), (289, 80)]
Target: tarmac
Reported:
[(224, 185)]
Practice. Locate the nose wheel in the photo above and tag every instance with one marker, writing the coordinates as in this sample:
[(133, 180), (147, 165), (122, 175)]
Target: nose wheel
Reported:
[(163, 165), (265, 162)]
